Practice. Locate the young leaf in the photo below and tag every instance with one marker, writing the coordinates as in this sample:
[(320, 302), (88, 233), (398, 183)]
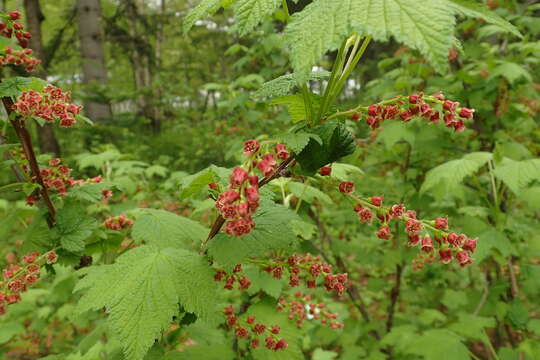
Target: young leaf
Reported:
[(164, 229), (249, 13), (285, 84), (296, 105), (337, 142), (451, 174), (271, 233), (518, 174), (141, 292)]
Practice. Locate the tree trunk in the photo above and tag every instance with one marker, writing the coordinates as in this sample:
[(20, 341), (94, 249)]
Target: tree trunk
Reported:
[(34, 17), (91, 40), (143, 65)]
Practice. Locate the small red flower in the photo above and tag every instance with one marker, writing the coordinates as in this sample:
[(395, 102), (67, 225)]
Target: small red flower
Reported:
[(346, 187)]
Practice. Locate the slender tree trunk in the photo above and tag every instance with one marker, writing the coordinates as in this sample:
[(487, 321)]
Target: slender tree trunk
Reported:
[(46, 138), (143, 65), (91, 40)]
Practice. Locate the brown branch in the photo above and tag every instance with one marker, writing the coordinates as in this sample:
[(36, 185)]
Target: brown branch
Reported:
[(394, 295), (26, 141)]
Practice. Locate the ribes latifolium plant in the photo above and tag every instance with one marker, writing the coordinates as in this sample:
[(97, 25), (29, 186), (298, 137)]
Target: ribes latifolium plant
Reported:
[(260, 261)]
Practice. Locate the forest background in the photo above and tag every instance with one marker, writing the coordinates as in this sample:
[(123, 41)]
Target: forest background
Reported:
[(166, 104)]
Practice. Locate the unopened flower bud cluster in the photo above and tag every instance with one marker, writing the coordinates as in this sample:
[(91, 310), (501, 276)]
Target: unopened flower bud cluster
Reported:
[(118, 222)]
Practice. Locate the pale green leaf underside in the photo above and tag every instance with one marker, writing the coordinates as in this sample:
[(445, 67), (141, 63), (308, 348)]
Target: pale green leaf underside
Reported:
[(451, 174), (249, 13), (141, 292), (164, 229)]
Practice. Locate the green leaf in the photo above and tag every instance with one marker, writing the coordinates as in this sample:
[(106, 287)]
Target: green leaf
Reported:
[(475, 9), (206, 352), (89, 192), (344, 172), (472, 326), (28, 188), (511, 71), (326, 22), (265, 312), (261, 280), (200, 11), (192, 184), (249, 13), (164, 229), (97, 160), (493, 239), (337, 142), (518, 174), (10, 329), (296, 106), (285, 84), (320, 354), (141, 292), (15, 85), (303, 229), (439, 344), (449, 175), (73, 226), (518, 314), (308, 193), (271, 233), (297, 141), (427, 26), (156, 170)]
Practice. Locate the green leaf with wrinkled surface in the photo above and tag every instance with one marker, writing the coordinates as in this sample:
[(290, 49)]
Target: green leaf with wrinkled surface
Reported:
[(165, 229), (141, 292)]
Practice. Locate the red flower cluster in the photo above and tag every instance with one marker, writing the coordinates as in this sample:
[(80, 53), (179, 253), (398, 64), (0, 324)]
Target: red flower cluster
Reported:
[(433, 108), (241, 200), (17, 278), (118, 222), (308, 268), (230, 279), (19, 58), (253, 330), (57, 177), (12, 26), (448, 245), (50, 104), (303, 308)]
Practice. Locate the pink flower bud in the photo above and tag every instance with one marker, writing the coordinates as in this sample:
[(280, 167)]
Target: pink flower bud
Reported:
[(251, 147), (466, 113), (427, 244)]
